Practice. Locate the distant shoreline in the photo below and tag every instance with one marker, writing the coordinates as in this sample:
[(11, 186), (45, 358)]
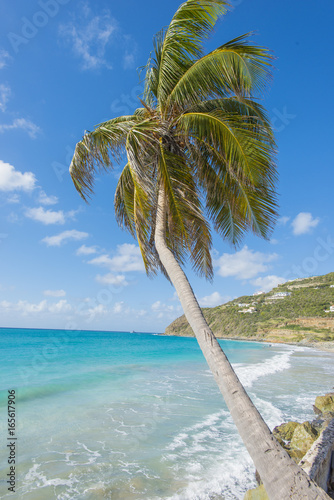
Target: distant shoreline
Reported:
[(321, 346)]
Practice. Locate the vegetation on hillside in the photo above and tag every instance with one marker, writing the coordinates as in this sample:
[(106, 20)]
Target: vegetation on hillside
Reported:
[(294, 318)]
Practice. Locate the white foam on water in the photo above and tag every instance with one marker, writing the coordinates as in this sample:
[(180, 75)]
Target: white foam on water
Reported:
[(223, 481), (92, 455), (209, 457), (248, 374), (178, 441), (271, 414), (34, 477)]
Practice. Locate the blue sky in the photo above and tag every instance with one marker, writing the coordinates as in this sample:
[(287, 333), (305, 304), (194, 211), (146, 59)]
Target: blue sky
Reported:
[(68, 65)]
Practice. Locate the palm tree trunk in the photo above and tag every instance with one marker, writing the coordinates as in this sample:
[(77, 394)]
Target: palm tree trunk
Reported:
[(282, 477)]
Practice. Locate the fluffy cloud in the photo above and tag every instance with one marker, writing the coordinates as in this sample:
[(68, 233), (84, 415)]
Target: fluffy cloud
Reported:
[(60, 307), (165, 311), (45, 216), (59, 239), (267, 283), (245, 264), (112, 279), (128, 258), (22, 124), (84, 250), (14, 198), (4, 96), (54, 293), (11, 179), (304, 223), (215, 299), (118, 307), (283, 220), (89, 37), (44, 199), (24, 307)]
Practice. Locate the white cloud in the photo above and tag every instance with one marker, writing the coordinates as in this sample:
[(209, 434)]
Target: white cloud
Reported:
[(59, 239), (96, 310), (90, 37), (54, 293), (283, 220), (47, 200), (11, 179), (14, 198), (25, 307), (166, 311), (156, 305), (60, 307), (118, 307), (245, 264), (4, 96), (215, 299), (84, 250), (304, 223), (23, 124), (111, 279), (128, 258), (267, 283), (45, 216), (3, 58)]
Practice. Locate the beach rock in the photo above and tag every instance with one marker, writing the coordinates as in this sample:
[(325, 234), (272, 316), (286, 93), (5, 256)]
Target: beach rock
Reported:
[(325, 403), (258, 493), (296, 454), (303, 437), (284, 432)]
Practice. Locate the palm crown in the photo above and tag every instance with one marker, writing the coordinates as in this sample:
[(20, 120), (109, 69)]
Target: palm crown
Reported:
[(200, 135)]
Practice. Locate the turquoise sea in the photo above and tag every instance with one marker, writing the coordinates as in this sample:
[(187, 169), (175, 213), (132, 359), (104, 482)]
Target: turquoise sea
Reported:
[(116, 415)]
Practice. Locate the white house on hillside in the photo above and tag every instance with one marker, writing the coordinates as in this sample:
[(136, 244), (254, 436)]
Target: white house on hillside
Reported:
[(279, 295), (250, 310)]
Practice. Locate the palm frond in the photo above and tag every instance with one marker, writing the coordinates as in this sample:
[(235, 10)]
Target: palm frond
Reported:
[(97, 151), (235, 202), (187, 231), (183, 39), (124, 201), (244, 147), (234, 69)]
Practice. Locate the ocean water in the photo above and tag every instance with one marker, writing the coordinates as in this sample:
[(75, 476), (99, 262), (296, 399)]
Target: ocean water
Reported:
[(112, 415)]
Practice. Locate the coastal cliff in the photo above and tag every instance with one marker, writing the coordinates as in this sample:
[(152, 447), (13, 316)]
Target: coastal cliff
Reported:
[(298, 311)]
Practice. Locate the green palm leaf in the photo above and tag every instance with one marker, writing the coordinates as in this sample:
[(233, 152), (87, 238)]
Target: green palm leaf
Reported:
[(183, 39), (235, 68)]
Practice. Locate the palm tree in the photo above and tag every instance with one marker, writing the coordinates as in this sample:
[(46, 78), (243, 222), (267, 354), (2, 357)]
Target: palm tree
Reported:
[(200, 150)]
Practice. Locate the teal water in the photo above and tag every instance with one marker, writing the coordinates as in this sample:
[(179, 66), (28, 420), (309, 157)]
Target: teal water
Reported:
[(112, 415)]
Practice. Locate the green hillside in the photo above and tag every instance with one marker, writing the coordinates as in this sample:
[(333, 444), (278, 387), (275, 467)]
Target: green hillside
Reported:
[(297, 317)]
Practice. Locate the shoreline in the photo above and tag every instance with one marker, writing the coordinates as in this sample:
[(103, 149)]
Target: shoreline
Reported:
[(320, 346)]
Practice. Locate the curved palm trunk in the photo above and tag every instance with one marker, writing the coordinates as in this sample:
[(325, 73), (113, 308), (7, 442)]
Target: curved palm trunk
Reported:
[(282, 477)]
